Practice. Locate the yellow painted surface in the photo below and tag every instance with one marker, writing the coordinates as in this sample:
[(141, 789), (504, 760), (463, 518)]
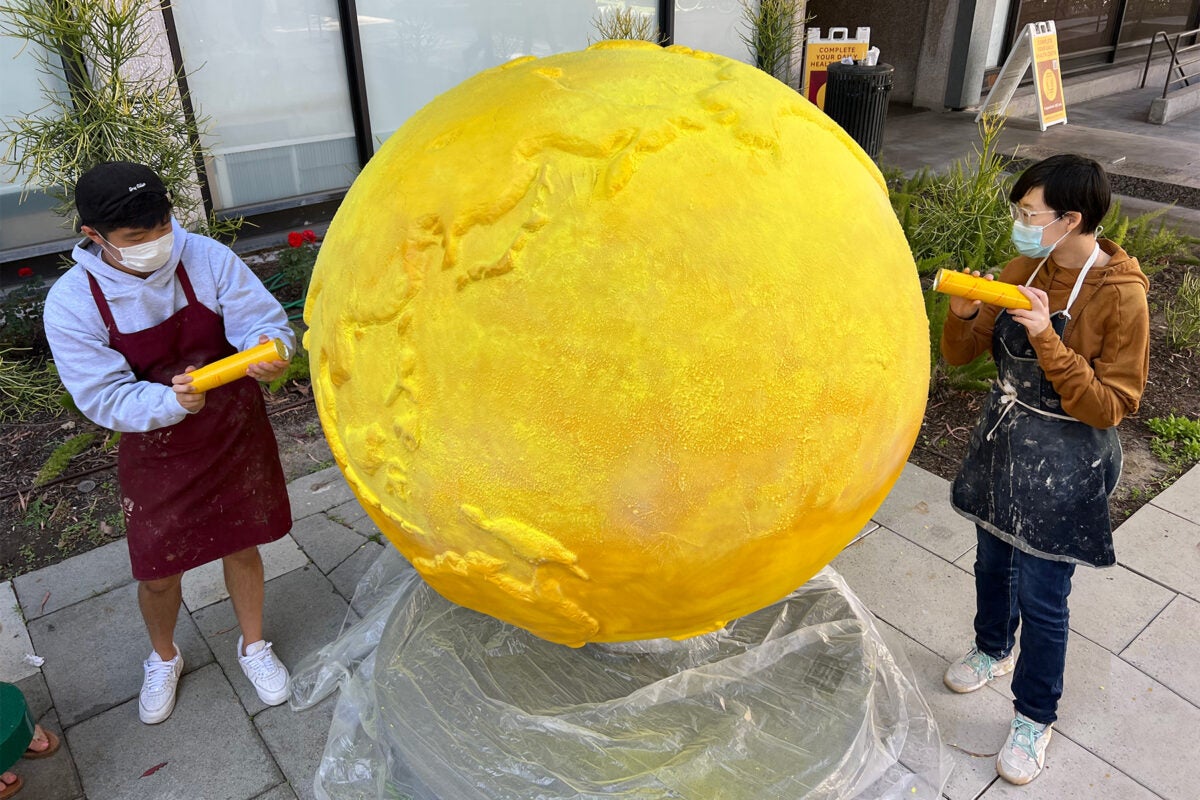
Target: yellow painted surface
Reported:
[(962, 284), (618, 344), (232, 368)]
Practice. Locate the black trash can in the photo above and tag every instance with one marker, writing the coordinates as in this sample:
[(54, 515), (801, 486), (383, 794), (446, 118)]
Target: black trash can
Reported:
[(856, 97)]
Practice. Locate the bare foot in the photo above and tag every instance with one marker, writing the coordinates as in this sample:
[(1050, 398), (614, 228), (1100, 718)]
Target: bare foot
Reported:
[(41, 741), (8, 778)]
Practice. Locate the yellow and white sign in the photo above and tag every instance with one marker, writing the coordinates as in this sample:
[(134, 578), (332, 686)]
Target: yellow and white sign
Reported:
[(820, 53), (1052, 106), (1036, 46)]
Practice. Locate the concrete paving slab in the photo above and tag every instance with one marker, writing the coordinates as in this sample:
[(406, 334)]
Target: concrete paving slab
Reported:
[(14, 640), (326, 542), (968, 724), (53, 778), (922, 595), (297, 741), (94, 652), (280, 792), (46, 590), (1071, 773), (347, 513), (317, 492), (1167, 649), (294, 635), (346, 576), (37, 695), (1112, 606), (206, 749), (918, 508), (1130, 720), (1163, 547), (1183, 496), (205, 585)]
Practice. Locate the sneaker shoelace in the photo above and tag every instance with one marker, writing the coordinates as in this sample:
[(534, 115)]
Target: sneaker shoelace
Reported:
[(981, 662), (1025, 735), (157, 674), (261, 663)]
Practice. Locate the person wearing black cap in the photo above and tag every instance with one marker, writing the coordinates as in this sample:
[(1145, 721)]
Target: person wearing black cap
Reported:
[(200, 477)]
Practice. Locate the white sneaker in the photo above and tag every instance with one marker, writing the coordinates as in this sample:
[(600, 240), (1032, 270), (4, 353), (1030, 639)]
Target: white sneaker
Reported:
[(157, 699), (1024, 752), (266, 673), (975, 669)]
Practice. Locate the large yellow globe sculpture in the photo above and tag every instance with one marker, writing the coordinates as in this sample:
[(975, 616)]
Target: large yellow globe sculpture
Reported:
[(618, 344)]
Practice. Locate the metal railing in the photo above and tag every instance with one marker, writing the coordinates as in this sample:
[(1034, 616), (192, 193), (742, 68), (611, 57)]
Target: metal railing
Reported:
[(1178, 64)]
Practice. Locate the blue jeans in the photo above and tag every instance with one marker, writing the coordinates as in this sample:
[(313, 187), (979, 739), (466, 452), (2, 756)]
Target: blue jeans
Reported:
[(1011, 588)]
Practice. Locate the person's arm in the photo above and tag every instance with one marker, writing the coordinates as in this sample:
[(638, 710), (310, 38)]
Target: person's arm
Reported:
[(98, 378), (249, 310), (1102, 392)]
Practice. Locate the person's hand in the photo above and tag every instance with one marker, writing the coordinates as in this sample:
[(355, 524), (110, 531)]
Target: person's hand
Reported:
[(191, 400), (963, 308), (266, 371), (1036, 319)]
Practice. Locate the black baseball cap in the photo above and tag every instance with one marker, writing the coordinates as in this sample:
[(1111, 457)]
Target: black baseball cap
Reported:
[(106, 190)]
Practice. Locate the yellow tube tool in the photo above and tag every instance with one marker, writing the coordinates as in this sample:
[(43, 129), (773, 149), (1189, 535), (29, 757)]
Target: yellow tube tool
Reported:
[(995, 293), (232, 367)]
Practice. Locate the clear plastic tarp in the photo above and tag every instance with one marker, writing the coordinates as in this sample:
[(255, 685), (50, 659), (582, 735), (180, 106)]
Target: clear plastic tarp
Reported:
[(802, 699)]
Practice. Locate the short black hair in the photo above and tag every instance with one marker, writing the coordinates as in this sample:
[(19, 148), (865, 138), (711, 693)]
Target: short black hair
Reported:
[(1069, 183), (141, 213)]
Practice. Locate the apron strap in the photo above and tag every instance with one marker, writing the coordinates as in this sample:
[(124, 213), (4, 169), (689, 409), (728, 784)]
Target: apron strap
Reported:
[(186, 283), (102, 306)]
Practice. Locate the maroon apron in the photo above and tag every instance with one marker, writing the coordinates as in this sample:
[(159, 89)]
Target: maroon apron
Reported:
[(212, 484)]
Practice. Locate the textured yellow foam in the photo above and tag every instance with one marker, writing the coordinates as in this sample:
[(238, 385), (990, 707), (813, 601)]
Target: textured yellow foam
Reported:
[(618, 344)]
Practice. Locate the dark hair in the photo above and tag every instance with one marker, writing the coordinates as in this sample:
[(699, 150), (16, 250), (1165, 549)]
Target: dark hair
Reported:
[(1069, 183), (143, 212)]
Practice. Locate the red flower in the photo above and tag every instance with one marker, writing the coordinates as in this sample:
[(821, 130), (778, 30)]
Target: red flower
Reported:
[(25, 272), (295, 239), (308, 236)]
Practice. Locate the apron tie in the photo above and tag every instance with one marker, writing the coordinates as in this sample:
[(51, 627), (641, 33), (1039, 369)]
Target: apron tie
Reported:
[(1009, 399)]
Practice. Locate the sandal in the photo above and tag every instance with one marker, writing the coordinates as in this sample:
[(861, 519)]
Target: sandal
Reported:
[(11, 788), (51, 749)]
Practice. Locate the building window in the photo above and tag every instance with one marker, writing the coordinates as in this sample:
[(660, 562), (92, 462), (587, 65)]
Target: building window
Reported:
[(30, 221), (414, 51), (271, 78), (715, 26)]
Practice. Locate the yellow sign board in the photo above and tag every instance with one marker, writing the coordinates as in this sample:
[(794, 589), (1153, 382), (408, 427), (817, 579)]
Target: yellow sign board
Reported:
[(1036, 46), (820, 53), (1052, 106)]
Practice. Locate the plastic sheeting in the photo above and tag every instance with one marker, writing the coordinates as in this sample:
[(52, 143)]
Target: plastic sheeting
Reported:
[(802, 699)]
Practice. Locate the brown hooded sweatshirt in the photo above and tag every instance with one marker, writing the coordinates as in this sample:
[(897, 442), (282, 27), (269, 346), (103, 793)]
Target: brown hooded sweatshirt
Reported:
[(1099, 366)]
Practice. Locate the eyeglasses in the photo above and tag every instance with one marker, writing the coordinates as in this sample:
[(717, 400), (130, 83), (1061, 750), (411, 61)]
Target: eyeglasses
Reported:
[(1022, 215)]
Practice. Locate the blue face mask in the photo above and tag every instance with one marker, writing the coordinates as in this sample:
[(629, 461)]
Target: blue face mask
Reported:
[(1028, 239)]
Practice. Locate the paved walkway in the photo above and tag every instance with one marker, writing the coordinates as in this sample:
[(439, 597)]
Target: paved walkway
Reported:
[(1129, 715)]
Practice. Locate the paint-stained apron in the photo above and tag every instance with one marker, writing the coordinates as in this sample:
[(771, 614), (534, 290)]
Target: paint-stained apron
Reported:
[(212, 484), (1034, 476)]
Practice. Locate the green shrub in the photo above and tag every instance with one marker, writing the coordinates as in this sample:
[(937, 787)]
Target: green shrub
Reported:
[(624, 23), (27, 388), (961, 216), (1177, 439), (771, 32), (1183, 314), (1148, 238)]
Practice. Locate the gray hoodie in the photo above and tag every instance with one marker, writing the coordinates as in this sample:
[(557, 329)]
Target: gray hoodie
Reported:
[(99, 378)]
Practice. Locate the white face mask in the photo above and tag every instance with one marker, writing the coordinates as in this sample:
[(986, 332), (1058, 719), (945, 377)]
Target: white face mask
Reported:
[(148, 256)]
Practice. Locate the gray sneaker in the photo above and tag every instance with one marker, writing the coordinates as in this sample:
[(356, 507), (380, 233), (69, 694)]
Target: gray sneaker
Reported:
[(975, 669), (157, 698), (1024, 752)]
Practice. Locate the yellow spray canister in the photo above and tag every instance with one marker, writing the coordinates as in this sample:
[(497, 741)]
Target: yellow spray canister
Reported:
[(232, 367), (963, 284)]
